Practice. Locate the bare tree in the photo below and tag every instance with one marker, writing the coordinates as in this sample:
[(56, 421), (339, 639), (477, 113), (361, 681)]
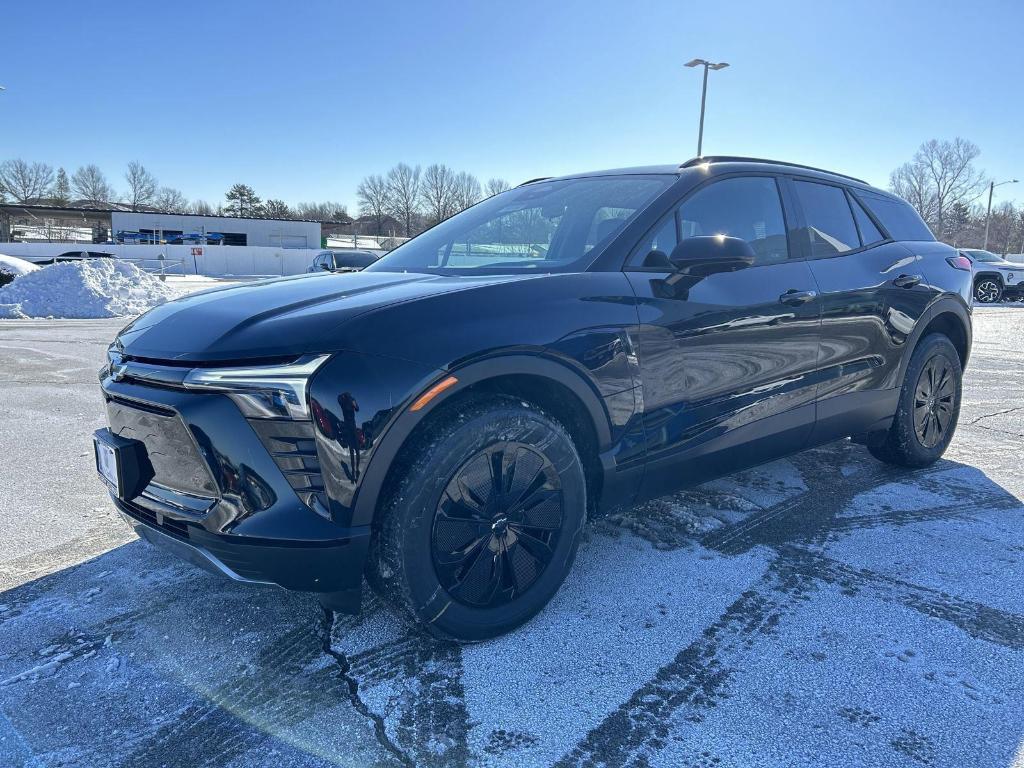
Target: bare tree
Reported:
[(277, 209), (496, 186), (170, 200), (89, 183), (438, 192), (25, 181), (326, 211), (201, 207), (142, 185), (941, 174), (467, 190), (372, 194), (403, 185)]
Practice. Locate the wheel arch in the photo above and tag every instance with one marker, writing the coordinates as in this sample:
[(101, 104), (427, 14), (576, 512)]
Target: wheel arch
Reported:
[(547, 382), (949, 317)]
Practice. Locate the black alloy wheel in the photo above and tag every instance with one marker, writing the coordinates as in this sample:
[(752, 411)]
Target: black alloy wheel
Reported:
[(934, 401), (497, 525), (480, 529)]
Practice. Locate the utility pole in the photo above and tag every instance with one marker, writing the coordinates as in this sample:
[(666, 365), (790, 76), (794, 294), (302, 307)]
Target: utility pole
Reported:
[(704, 95), (988, 214)]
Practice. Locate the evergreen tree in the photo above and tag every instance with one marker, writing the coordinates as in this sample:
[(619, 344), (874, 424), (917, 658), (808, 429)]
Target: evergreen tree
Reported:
[(61, 192), (243, 201)]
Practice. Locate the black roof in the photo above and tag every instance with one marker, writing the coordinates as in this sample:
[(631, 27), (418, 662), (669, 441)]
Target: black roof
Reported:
[(744, 163)]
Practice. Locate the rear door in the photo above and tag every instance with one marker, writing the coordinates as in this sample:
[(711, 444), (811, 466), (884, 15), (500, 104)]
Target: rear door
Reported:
[(873, 291), (727, 359)]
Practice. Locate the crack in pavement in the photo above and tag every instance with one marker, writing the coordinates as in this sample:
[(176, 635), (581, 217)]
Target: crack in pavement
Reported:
[(975, 420), (345, 667)]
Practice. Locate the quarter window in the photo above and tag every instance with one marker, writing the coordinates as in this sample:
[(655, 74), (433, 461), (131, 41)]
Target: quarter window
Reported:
[(869, 234), (830, 229)]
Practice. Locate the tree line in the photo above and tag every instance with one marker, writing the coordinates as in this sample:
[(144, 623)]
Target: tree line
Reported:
[(415, 198), (945, 186), (405, 200), (27, 182)]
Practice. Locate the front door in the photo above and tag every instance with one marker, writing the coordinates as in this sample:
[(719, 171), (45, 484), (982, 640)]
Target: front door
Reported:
[(727, 358)]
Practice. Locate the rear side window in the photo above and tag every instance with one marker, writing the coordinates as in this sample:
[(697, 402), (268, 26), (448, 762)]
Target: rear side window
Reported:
[(869, 234), (830, 229), (896, 215)]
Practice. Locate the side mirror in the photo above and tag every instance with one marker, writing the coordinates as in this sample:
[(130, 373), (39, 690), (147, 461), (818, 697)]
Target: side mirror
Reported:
[(325, 266), (712, 254)]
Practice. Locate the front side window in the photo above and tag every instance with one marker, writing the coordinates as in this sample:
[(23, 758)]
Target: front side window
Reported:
[(829, 221), (745, 207), (549, 226)]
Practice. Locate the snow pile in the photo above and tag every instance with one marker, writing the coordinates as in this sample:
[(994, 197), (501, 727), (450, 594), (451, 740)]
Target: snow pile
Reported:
[(14, 266), (83, 289)]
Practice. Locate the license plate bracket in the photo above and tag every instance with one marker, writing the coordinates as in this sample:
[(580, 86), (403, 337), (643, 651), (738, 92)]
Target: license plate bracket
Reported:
[(121, 463)]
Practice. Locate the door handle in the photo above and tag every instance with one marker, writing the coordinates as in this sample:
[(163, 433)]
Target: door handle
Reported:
[(907, 281), (795, 298)]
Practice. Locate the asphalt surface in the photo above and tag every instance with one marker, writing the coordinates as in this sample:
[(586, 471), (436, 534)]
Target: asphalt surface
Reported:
[(824, 609)]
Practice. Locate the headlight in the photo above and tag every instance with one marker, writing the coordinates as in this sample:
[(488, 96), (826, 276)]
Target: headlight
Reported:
[(262, 391)]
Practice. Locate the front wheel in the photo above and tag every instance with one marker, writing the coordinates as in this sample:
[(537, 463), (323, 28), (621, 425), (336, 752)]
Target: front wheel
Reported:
[(482, 528), (928, 409), (988, 290)]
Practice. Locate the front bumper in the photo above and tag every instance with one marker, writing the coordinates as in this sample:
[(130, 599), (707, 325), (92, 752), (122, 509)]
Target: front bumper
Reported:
[(330, 567), (221, 500)]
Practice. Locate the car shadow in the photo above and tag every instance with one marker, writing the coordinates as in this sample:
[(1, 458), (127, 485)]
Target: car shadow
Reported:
[(821, 607)]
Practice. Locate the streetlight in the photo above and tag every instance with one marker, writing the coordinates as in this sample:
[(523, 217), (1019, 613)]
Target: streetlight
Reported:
[(704, 94), (988, 214)]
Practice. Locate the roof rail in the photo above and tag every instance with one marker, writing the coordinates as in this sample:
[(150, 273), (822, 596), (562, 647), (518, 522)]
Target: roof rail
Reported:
[(732, 159), (530, 181)]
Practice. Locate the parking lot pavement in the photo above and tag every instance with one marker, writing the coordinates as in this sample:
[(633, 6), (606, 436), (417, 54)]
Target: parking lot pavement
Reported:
[(824, 609)]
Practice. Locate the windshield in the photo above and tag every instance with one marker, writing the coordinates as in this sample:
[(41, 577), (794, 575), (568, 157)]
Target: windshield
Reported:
[(551, 226), (983, 256)]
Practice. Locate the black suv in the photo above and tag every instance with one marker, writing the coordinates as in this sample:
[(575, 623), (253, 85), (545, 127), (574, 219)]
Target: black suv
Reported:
[(445, 420)]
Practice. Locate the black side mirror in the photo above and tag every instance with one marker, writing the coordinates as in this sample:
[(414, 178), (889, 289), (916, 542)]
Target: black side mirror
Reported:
[(712, 254), (325, 266)]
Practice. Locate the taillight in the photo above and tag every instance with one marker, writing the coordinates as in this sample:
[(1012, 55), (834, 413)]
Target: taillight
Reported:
[(959, 262)]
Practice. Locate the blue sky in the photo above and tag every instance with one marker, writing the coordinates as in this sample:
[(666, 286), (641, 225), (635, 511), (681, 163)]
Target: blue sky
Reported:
[(302, 99)]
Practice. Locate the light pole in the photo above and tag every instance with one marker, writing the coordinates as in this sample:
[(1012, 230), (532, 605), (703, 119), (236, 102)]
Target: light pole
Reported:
[(988, 214), (704, 94)]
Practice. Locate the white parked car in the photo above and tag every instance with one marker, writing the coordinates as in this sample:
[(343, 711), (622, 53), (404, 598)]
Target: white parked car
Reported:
[(995, 277)]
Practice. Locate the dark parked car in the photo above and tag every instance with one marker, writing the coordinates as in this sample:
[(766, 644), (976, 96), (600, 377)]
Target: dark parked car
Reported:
[(68, 256), (342, 261), (995, 278), (445, 421)]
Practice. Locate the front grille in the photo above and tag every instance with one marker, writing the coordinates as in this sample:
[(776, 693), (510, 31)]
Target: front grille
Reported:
[(292, 445), (171, 450), (164, 523)]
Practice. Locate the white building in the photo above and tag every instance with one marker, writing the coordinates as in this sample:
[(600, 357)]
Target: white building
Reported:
[(165, 227)]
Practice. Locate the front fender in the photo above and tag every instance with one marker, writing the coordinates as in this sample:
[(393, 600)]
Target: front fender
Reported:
[(362, 496)]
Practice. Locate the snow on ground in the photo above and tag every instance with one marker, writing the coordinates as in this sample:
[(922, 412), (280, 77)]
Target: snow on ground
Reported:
[(83, 289), (11, 265), (821, 610)]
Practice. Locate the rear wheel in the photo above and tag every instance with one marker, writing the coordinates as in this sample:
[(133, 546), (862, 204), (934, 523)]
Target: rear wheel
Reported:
[(928, 409), (481, 530), (988, 290)]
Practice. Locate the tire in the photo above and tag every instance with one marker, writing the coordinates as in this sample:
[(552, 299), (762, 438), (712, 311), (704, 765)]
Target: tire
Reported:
[(928, 409), (469, 556), (988, 290)]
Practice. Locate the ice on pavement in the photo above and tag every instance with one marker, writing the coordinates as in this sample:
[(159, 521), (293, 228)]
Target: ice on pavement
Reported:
[(83, 289), (12, 265)]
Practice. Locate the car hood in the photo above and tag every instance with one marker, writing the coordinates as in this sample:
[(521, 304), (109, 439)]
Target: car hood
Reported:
[(277, 318)]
